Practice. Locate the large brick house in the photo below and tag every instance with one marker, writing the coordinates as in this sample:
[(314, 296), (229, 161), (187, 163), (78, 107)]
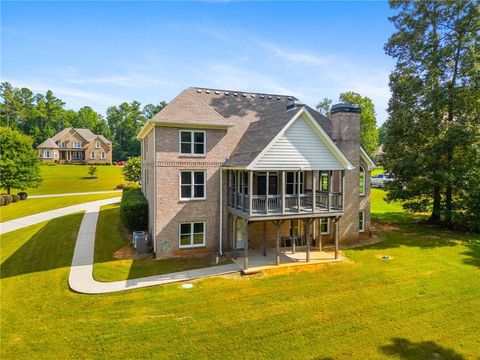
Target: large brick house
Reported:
[(76, 146), (225, 171)]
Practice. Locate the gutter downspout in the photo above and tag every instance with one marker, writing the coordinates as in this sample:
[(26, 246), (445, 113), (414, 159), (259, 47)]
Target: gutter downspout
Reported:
[(154, 192), (221, 212)]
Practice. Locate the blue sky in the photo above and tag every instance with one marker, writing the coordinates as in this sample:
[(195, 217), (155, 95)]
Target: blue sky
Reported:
[(103, 53)]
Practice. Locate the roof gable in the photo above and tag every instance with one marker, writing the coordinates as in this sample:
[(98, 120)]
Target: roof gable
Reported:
[(368, 160), (301, 144)]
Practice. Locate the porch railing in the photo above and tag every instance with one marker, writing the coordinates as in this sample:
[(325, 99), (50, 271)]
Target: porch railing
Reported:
[(294, 203)]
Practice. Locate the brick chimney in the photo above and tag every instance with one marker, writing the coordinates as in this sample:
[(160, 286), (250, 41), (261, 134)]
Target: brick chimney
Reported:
[(346, 134)]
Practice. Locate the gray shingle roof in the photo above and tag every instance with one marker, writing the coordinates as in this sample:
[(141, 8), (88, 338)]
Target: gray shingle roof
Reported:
[(263, 116), (48, 144)]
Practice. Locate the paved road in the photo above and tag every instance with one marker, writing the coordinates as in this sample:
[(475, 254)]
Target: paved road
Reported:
[(19, 223), (74, 194), (81, 272)]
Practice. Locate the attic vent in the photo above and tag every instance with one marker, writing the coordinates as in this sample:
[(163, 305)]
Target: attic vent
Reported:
[(294, 104), (253, 95), (227, 93), (262, 96), (207, 91), (199, 91), (235, 94), (270, 97), (217, 92), (244, 95), (289, 98), (278, 97)]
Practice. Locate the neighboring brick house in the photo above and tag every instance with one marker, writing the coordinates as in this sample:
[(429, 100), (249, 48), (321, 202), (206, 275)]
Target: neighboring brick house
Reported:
[(225, 171), (76, 146)]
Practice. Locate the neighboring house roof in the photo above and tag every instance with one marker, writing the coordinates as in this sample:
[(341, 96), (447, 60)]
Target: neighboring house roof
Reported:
[(84, 133), (48, 144)]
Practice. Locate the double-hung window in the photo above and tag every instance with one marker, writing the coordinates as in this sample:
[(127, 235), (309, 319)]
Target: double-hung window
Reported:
[(192, 142), (292, 182), (77, 144), (192, 234), (47, 154), (97, 144), (192, 185), (324, 226), (102, 155), (92, 155), (361, 221)]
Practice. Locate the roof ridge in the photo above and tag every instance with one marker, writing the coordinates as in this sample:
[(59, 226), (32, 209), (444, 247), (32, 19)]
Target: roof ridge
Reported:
[(242, 92)]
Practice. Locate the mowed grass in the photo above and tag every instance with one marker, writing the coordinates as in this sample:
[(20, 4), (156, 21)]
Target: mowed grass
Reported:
[(421, 304), (34, 206), (59, 179), (112, 244)]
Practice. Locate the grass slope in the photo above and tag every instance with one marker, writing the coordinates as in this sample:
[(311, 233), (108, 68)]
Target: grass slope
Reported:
[(422, 302), (34, 206), (59, 179), (110, 239)]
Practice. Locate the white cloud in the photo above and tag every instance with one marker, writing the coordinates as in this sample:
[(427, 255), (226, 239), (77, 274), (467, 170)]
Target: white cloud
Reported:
[(296, 57)]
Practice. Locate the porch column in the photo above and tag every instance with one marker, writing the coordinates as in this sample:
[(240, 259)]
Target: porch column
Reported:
[(298, 191), (336, 237), (277, 241), (343, 188), (314, 189), (283, 191), (308, 222), (295, 234), (264, 242), (245, 244), (266, 185), (250, 192), (329, 188)]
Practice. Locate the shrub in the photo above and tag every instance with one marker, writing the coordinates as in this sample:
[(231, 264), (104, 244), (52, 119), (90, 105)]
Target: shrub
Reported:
[(120, 186), (2, 201), (15, 198), (8, 199), (23, 195), (134, 210)]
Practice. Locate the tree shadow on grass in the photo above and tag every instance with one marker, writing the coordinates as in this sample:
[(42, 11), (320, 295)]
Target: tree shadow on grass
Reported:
[(425, 350), (51, 247), (473, 252)]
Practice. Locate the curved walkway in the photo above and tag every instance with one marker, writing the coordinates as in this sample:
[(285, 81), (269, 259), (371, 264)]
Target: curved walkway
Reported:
[(81, 273), (25, 221)]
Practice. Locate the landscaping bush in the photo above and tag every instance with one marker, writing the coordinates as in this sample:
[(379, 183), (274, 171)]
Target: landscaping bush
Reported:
[(2, 201), (8, 199), (15, 198), (120, 186), (134, 210), (23, 195)]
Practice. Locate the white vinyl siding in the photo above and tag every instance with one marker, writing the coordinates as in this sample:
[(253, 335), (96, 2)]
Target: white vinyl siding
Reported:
[(298, 147)]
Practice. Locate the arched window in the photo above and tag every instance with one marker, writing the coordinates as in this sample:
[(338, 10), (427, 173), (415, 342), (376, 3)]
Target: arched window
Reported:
[(361, 180)]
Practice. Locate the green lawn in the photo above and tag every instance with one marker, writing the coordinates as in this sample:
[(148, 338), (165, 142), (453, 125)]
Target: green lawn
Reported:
[(59, 179), (34, 206), (422, 301), (110, 240)]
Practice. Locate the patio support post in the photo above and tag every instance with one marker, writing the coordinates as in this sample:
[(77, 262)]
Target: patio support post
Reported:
[(319, 237), (283, 192), (314, 191), (264, 243), (308, 222), (245, 246), (343, 188), (336, 237), (234, 237), (277, 241), (268, 191), (294, 237), (329, 188)]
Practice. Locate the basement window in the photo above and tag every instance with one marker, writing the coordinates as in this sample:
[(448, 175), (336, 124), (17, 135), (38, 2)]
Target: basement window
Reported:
[(192, 234)]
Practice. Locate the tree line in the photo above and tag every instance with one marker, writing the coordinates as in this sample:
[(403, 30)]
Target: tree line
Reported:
[(43, 115), (432, 140)]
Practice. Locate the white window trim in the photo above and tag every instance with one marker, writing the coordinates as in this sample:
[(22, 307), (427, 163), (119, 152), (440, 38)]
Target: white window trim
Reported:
[(102, 155), (363, 221), (47, 154), (192, 185), (92, 155), (97, 144), (328, 226), (364, 181), (192, 143), (75, 143), (191, 245)]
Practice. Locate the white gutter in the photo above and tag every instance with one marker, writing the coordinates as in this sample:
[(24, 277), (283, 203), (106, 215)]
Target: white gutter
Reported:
[(221, 211), (154, 192)]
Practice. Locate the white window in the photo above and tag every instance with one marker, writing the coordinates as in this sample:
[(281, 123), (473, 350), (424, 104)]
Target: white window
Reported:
[(92, 155), (102, 155), (47, 154), (291, 182), (55, 154), (77, 144), (361, 181), (324, 226), (77, 155), (192, 142), (97, 144), (361, 221), (62, 144), (192, 235), (324, 180), (192, 185)]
